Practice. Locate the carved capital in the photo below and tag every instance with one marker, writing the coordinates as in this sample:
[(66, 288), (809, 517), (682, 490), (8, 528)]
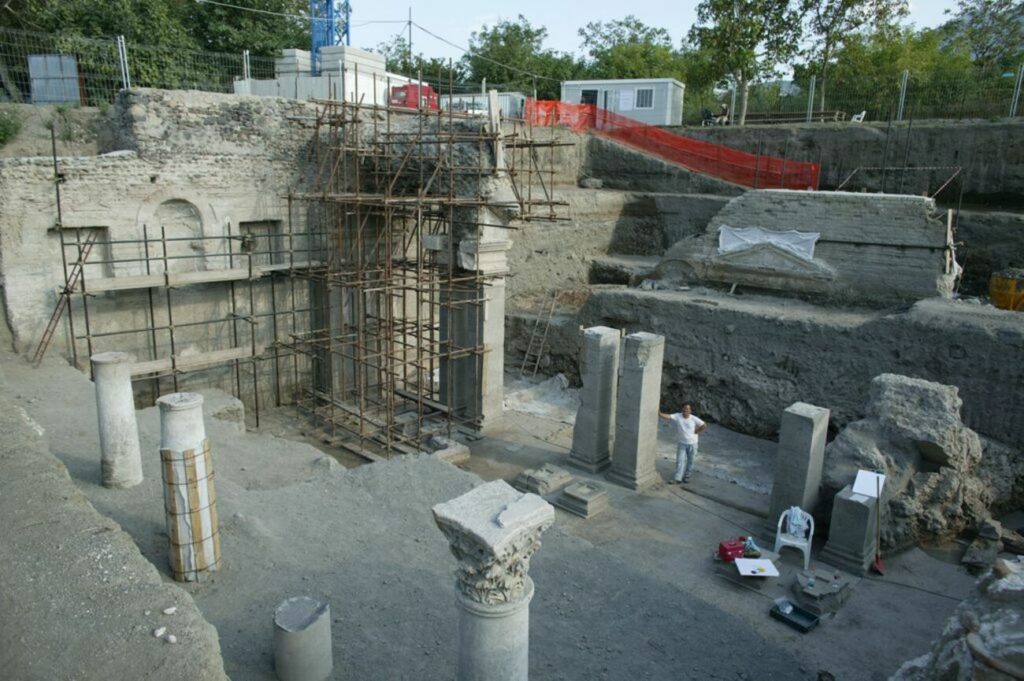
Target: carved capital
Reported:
[(493, 531)]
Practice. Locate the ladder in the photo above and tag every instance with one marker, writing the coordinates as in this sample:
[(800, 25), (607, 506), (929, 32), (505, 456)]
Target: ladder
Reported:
[(64, 298), (539, 337)]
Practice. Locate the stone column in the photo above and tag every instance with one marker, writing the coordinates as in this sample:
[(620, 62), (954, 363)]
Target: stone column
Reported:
[(636, 412), (493, 531), (302, 640), (799, 460), (190, 500), (121, 459), (594, 430), (851, 536)]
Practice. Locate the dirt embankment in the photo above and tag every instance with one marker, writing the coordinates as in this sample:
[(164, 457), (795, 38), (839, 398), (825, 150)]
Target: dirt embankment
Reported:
[(78, 130)]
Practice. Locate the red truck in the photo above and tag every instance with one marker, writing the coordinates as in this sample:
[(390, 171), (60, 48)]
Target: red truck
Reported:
[(413, 96)]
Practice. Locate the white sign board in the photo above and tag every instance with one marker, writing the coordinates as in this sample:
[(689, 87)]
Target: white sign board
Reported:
[(625, 100), (869, 484)]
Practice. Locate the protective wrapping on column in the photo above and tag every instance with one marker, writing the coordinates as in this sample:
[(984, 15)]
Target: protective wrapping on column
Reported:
[(190, 503)]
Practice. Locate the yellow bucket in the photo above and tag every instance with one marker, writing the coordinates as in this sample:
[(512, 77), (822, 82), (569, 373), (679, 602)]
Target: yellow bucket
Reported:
[(1006, 290)]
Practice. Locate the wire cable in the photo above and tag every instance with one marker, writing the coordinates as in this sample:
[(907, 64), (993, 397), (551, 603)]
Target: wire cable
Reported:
[(470, 52)]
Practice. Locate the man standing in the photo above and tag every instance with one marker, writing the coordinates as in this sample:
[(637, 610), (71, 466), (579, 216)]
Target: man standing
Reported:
[(688, 427)]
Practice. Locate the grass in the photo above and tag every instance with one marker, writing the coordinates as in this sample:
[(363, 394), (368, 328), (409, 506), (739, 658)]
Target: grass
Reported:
[(10, 123)]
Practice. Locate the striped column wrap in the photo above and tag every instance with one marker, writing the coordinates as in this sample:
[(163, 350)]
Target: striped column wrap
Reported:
[(190, 506)]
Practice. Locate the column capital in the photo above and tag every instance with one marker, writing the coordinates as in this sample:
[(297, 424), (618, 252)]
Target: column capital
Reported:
[(493, 531)]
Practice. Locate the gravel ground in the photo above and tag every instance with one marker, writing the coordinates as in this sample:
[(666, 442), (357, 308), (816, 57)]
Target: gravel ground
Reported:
[(630, 594)]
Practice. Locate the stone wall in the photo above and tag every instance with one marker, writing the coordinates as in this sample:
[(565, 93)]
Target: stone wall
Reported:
[(991, 153), (872, 247), (196, 163), (744, 359), (988, 242)]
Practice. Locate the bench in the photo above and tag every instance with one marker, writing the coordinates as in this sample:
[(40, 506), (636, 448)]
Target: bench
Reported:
[(796, 117)]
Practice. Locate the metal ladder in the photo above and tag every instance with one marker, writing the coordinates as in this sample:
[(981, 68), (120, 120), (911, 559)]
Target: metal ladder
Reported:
[(64, 298), (539, 338)]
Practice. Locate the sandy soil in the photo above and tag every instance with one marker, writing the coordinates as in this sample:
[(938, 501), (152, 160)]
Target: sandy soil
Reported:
[(630, 594), (76, 131)]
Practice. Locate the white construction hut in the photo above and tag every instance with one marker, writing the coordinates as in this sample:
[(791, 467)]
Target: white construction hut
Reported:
[(655, 101)]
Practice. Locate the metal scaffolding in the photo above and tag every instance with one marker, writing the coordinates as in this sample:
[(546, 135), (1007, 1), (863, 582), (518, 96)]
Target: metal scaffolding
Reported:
[(358, 307)]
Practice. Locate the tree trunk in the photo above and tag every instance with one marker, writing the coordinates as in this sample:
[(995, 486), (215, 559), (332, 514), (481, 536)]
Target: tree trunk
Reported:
[(744, 96)]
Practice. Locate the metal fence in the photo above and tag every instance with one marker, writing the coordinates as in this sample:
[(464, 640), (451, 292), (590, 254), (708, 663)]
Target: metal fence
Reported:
[(906, 95), (47, 68)]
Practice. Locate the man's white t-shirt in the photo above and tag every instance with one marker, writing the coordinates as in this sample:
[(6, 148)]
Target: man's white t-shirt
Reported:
[(687, 427)]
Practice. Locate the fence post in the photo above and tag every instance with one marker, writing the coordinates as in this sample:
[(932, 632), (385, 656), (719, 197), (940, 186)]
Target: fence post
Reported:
[(904, 77), (810, 98), (122, 55), (732, 106), (1016, 91), (246, 70)]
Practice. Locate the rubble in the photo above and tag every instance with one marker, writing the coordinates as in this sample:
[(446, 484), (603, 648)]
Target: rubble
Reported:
[(938, 483), (984, 639)]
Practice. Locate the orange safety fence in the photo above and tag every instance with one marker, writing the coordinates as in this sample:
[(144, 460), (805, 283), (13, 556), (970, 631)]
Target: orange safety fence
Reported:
[(725, 163)]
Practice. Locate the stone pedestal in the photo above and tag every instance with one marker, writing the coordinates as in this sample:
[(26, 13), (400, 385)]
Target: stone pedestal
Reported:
[(120, 457), (636, 412), (798, 461), (190, 500), (851, 535), (583, 499), (493, 531), (594, 430), (302, 640)]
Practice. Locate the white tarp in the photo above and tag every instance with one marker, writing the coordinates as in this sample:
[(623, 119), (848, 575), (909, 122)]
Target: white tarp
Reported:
[(732, 239)]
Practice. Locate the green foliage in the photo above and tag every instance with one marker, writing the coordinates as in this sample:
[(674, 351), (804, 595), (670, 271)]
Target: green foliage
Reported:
[(628, 48), (10, 123), (992, 30), (440, 72), (748, 39), (224, 29), (511, 52)]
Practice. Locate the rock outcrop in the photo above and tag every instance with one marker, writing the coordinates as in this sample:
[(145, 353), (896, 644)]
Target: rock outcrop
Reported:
[(984, 640), (938, 481)]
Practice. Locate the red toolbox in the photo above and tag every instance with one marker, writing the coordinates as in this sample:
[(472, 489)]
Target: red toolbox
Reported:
[(731, 549)]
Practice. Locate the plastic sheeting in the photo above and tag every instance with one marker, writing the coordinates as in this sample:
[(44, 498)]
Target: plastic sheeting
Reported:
[(732, 239)]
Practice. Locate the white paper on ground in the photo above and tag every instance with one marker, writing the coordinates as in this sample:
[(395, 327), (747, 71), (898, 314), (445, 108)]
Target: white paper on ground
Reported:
[(739, 238), (866, 483), (756, 567)]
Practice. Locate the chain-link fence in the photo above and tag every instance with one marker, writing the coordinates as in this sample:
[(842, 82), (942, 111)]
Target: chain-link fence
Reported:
[(925, 95), (49, 68)]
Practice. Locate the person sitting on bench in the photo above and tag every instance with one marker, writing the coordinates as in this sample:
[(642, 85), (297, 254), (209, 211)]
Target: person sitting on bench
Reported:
[(723, 116)]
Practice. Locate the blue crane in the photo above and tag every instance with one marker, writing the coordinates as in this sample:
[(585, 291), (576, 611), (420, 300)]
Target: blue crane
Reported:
[(329, 20)]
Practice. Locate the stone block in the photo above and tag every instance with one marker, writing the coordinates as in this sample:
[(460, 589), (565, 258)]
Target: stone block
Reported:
[(851, 538), (594, 429), (302, 640), (548, 479), (799, 460), (583, 499), (636, 413), (826, 592)]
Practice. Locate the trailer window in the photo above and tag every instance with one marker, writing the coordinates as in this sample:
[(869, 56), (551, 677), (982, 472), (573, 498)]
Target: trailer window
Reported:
[(645, 98)]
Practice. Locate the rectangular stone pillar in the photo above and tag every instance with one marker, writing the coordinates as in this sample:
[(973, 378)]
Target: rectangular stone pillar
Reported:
[(799, 460), (851, 536), (636, 412), (594, 430)]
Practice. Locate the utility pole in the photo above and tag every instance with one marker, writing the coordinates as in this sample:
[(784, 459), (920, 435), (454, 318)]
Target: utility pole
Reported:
[(410, 37)]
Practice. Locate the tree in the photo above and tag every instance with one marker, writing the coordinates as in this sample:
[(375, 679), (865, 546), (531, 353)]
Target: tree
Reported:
[(830, 21), (747, 39), (628, 48), (993, 30), (512, 53), (225, 29), (399, 59)]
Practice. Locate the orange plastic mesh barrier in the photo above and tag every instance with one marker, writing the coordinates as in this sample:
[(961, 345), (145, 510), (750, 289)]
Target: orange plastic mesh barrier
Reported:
[(731, 165)]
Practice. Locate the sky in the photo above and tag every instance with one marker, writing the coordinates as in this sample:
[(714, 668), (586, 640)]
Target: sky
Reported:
[(455, 20)]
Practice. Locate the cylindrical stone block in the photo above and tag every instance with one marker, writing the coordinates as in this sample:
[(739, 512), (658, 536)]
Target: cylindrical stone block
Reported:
[(190, 498), (494, 640), (302, 640), (121, 459)]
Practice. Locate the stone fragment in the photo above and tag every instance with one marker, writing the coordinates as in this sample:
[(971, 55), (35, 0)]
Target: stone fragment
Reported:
[(583, 499), (548, 479)]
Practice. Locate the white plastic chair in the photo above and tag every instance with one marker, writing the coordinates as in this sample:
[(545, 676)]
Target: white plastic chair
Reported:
[(783, 538), (858, 118)]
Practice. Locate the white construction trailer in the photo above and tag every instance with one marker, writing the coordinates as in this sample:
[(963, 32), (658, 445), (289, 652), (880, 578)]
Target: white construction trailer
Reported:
[(655, 101)]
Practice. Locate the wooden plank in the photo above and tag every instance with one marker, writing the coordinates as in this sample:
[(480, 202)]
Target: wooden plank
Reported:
[(102, 285)]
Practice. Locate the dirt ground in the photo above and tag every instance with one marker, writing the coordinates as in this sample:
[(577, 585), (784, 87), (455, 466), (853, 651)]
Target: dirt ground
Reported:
[(630, 594), (76, 129)]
